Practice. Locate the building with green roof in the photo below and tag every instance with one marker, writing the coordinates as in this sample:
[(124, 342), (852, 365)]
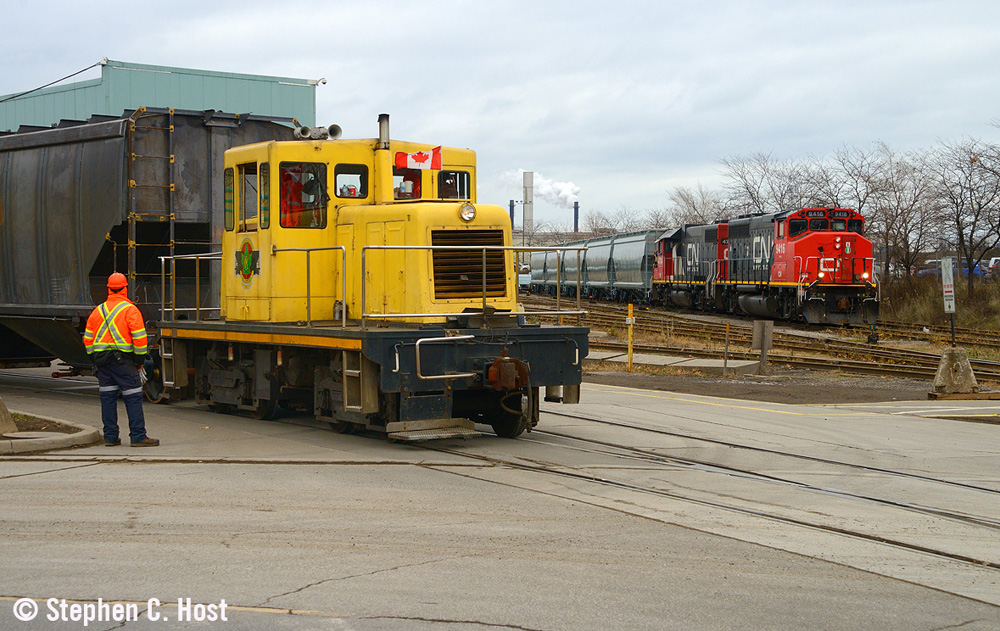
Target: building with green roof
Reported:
[(128, 86)]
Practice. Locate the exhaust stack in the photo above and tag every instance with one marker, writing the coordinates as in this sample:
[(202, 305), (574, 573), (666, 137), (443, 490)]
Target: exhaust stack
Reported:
[(383, 163)]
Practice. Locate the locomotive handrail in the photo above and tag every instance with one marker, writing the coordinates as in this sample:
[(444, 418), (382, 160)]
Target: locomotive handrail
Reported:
[(431, 340), (484, 248), (208, 256), (343, 278)]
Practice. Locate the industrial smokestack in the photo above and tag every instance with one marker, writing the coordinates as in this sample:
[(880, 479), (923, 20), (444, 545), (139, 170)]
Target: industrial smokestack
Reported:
[(529, 202), (576, 217), (512, 215)]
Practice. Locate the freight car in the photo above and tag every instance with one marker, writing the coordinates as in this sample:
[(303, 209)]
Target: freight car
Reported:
[(810, 264), (616, 267), (83, 199)]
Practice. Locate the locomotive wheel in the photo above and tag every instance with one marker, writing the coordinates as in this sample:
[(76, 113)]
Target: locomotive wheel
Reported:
[(507, 423), (265, 409)]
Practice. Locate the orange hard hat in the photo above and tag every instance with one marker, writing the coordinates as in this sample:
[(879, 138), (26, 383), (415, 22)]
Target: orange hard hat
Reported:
[(117, 281)]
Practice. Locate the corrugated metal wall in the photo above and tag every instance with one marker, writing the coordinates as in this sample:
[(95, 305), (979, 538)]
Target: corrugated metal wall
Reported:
[(127, 86)]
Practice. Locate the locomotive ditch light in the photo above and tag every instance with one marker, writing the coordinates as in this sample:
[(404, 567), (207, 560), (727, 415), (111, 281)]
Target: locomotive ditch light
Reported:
[(467, 212)]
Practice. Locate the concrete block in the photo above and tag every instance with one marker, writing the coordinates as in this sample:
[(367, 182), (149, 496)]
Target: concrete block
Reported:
[(954, 373), (6, 422)]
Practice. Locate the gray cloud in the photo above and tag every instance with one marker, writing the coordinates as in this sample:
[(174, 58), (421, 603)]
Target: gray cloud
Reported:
[(624, 100)]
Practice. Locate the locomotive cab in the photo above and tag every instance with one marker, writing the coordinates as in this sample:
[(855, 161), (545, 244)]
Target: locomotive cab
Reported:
[(329, 198), (823, 252)]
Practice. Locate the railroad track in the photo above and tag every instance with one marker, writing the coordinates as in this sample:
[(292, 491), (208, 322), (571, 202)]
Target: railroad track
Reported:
[(804, 349), (936, 333), (845, 524)]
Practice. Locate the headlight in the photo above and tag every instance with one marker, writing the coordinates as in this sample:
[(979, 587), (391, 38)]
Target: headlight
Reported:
[(468, 212), (821, 275), (865, 276)]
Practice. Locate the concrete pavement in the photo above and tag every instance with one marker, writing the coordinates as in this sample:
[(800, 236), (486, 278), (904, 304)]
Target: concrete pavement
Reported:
[(299, 528)]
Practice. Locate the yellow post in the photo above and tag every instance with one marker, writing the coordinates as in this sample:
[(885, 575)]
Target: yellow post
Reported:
[(630, 321)]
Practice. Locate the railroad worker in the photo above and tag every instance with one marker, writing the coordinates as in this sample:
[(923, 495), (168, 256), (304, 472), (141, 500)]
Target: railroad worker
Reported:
[(115, 339)]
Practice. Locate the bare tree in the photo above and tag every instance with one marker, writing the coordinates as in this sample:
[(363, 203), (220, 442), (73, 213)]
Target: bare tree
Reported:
[(659, 218), (628, 219), (969, 191), (901, 194), (694, 206), (598, 223), (760, 184)]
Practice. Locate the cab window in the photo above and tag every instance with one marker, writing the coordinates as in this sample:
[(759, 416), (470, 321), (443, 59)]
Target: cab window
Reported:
[(454, 185), (796, 227), (248, 197), (303, 196), (406, 183), (351, 180), (855, 225), (228, 206), (819, 224), (838, 224), (265, 195)]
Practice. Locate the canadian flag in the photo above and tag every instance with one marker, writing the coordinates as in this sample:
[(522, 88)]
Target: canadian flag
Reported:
[(419, 160)]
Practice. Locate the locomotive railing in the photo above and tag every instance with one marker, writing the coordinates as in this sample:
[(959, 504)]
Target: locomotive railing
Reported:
[(197, 258), (343, 278), (365, 315)]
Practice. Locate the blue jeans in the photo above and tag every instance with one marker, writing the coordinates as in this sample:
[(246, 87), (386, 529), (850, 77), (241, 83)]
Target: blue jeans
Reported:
[(121, 376)]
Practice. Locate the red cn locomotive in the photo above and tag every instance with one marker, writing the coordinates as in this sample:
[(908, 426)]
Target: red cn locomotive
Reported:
[(812, 264)]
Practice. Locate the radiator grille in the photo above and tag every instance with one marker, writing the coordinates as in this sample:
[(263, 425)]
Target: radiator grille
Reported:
[(459, 273)]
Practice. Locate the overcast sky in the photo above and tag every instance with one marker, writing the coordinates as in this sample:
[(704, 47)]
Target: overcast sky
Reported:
[(624, 100)]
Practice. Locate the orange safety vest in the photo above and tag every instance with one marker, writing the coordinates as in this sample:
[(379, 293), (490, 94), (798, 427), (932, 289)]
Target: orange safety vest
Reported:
[(115, 324)]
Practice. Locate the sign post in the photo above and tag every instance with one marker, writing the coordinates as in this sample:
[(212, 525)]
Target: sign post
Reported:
[(763, 335), (948, 286), (630, 321)]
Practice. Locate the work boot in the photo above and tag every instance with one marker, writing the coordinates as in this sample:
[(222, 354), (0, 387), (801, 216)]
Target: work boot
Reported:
[(112, 443), (147, 442)]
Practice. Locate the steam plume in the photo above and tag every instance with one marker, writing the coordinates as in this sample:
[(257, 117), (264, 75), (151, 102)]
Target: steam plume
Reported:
[(561, 194)]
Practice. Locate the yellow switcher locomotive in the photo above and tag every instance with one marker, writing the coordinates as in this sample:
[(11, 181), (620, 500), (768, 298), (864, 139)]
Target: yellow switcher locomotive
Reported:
[(361, 280)]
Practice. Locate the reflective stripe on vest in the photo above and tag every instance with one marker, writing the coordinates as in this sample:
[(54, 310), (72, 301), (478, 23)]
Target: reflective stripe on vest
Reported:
[(110, 327)]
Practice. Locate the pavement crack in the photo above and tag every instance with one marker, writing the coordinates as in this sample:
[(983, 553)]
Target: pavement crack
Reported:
[(24, 475), (446, 621), (350, 576), (957, 626)]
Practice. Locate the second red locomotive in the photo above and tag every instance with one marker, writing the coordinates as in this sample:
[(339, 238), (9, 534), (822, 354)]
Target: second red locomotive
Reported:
[(813, 264)]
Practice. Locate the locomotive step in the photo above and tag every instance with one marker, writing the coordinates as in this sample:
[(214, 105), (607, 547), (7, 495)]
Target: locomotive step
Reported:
[(416, 435)]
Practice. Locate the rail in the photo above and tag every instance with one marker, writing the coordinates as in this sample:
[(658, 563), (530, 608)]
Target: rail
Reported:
[(197, 258), (365, 315), (343, 278)]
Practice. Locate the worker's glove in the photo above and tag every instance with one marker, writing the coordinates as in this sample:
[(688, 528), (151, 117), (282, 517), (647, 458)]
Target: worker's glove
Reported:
[(142, 375)]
